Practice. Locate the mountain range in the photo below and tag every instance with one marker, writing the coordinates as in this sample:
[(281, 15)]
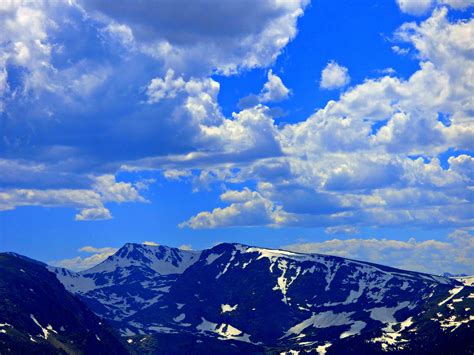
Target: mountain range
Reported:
[(232, 298)]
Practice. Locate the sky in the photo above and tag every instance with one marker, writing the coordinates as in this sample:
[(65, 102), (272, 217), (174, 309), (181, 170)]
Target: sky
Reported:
[(335, 127)]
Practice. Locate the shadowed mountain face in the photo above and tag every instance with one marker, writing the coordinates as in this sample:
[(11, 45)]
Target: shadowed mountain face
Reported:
[(236, 298), (38, 315)]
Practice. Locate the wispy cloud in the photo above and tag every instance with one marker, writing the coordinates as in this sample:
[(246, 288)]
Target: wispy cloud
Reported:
[(79, 263)]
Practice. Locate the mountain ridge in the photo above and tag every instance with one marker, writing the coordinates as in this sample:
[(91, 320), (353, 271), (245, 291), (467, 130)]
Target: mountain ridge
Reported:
[(446, 276), (230, 291), (235, 298)]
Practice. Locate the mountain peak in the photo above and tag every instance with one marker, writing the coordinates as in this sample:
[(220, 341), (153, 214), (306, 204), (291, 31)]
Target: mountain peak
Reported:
[(161, 259)]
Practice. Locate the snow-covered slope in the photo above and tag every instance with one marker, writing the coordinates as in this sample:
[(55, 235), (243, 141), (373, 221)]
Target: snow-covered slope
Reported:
[(466, 280), (274, 300), (161, 259), (135, 277)]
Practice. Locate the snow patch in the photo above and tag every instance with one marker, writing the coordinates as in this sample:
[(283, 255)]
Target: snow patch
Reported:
[(322, 320), (283, 283), (228, 308), (386, 314), (212, 257), (390, 337), (453, 292), (4, 325), (321, 349), (46, 331), (466, 280), (179, 318), (225, 331), (354, 330)]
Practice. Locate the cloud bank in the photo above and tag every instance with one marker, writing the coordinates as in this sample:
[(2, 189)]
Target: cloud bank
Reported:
[(454, 255)]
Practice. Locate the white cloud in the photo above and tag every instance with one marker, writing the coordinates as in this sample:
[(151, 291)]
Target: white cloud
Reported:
[(90, 202), (186, 247), (400, 51), (24, 41), (455, 255), (458, 4), (249, 209), (387, 71), (79, 263), (342, 230), (93, 214), (91, 249), (274, 90), (149, 243), (250, 132), (168, 87), (463, 164), (334, 76), (113, 191), (415, 7), (229, 39), (122, 32), (176, 174), (197, 97), (421, 7), (352, 162), (10, 199)]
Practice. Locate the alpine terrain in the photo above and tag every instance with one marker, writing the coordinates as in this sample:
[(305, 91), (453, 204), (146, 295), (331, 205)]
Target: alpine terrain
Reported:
[(231, 298), (237, 298)]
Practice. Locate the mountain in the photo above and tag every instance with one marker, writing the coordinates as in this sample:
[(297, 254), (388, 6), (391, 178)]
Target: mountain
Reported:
[(135, 277), (38, 315), (243, 299)]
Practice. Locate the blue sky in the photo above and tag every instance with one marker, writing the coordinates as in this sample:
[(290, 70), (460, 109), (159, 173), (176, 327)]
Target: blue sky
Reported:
[(326, 126)]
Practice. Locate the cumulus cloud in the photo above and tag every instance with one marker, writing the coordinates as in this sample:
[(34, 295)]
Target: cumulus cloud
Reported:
[(334, 76), (458, 4), (28, 25), (91, 201), (420, 7), (198, 96), (167, 87), (463, 164), (274, 90), (93, 214), (79, 263), (250, 133), (455, 255), (415, 7), (12, 198), (248, 208), (230, 38), (113, 191), (370, 158)]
